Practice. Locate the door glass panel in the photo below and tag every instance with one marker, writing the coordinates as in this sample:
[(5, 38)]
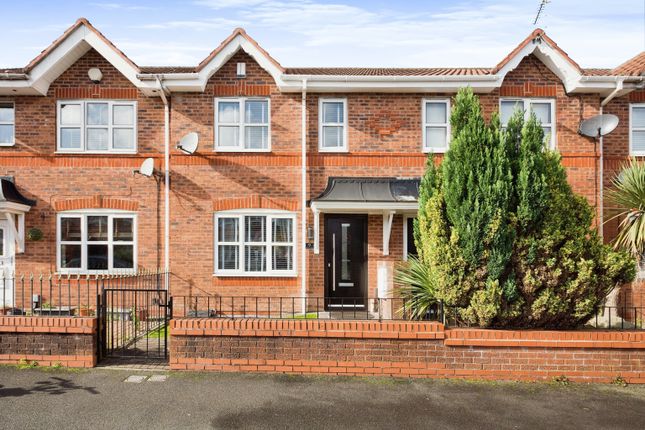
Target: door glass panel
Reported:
[(345, 261), (1, 242)]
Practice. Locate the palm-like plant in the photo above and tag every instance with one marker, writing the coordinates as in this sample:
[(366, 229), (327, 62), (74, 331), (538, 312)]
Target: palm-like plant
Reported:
[(418, 288), (628, 197)]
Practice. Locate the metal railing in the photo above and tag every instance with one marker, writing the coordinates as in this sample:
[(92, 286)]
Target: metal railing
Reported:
[(297, 308), (67, 295), (607, 318)]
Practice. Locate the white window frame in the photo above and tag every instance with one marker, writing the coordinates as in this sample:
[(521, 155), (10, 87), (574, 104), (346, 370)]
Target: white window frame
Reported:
[(110, 126), (632, 129), (269, 214), (321, 124), (526, 101), (13, 124), (425, 148), (241, 124), (84, 214)]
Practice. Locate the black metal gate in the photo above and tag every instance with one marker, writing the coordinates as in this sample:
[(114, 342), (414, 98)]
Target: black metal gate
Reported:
[(133, 323)]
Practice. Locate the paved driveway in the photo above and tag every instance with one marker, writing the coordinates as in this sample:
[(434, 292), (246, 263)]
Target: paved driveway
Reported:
[(100, 399)]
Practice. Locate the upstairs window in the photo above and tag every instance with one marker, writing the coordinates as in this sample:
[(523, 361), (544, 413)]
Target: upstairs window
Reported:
[(254, 244), (436, 125), (637, 129), (7, 124), (242, 124), (99, 126), (544, 110), (96, 242), (333, 125)]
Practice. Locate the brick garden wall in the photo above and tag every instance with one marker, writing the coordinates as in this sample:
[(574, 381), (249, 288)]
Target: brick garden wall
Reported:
[(404, 349), (70, 342)]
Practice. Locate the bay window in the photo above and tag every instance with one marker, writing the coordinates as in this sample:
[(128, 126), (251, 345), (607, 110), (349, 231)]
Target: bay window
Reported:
[(254, 244), (544, 110), (97, 126), (96, 242), (436, 125), (242, 124)]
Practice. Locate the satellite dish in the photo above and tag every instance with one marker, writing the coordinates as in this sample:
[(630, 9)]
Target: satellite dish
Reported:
[(188, 143), (598, 125), (147, 167)]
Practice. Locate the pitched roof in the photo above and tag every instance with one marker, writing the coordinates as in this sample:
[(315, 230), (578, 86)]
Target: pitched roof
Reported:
[(635, 66), (370, 189), (237, 32), (529, 39), (383, 71), (79, 22)]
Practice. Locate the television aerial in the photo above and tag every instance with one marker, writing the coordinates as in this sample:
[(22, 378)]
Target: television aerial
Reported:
[(188, 144), (598, 125)]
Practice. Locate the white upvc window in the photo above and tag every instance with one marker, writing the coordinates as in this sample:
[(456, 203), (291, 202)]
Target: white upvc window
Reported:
[(97, 126), (436, 125), (637, 129), (94, 242), (7, 124), (544, 110), (255, 243), (242, 124), (332, 125)]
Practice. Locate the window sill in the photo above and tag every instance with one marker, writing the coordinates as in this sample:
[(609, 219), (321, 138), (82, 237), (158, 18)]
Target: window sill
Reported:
[(255, 275), (59, 152), (435, 151), (238, 150), (8, 144), (63, 272), (333, 151)]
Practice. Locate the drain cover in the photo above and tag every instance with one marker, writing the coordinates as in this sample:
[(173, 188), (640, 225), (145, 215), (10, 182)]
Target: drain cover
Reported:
[(137, 379), (158, 378)]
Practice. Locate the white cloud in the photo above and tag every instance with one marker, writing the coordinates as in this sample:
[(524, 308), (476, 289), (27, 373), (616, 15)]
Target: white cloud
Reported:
[(198, 25), (163, 53), (119, 6), (224, 4)]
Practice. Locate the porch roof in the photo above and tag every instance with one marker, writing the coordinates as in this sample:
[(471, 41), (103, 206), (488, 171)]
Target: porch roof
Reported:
[(10, 194), (387, 192)]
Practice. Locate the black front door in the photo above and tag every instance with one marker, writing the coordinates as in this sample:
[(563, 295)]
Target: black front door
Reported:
[(345, 257)]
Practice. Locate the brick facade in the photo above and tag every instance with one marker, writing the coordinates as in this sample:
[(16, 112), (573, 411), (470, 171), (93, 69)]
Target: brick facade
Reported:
[(384, 135), (401, 349)]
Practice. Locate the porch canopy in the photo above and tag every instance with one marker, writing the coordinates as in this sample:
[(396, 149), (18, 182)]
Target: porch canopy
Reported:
[(387, 196), (13, 207)]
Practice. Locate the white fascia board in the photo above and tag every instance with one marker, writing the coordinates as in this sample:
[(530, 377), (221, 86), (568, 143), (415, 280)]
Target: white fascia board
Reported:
[(363, 207), (238, 42), (75, 45), (555, 61)]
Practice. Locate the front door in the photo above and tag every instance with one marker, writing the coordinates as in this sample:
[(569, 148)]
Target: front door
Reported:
[(345, 257), (7, 255)]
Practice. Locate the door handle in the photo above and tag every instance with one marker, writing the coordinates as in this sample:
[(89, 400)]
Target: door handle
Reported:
[(333, 262)]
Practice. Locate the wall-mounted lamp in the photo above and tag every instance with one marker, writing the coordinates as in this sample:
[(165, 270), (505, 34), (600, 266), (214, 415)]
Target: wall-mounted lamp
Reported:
[(95, 75)]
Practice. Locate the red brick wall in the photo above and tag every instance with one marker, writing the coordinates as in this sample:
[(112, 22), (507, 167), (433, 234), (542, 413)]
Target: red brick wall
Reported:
[(70, 342), (404, 349), (384, 140)]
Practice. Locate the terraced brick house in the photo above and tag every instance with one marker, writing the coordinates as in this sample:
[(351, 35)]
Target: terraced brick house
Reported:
[(305, 180)]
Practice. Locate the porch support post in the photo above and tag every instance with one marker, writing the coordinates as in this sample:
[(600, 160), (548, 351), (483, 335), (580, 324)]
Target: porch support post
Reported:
[(316, 231), (18, 232), (387, 229)]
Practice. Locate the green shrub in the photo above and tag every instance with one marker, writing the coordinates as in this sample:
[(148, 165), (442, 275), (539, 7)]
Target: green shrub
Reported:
[(505, 238)]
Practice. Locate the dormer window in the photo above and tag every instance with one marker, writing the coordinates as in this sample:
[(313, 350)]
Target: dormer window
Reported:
[(97, 126), (241, 70)]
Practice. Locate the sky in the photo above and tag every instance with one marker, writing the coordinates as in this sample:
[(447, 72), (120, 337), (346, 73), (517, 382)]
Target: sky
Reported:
[(417, 33)]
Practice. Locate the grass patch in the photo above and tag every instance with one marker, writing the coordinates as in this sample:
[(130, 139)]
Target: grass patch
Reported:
[(158, 333), (307, 316)]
